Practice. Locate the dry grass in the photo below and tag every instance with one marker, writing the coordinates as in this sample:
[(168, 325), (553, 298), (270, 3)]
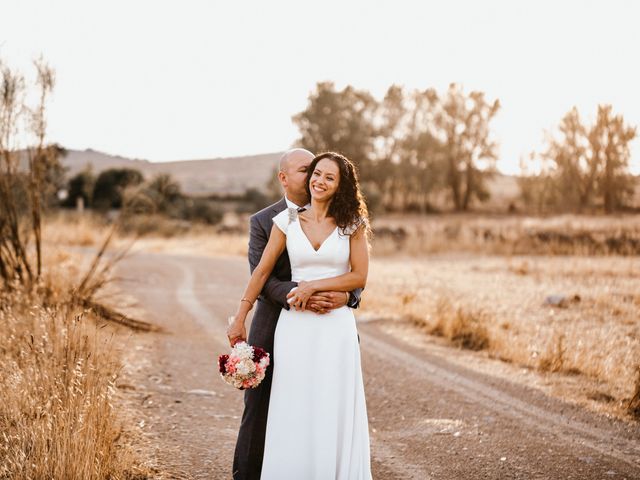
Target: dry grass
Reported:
[(58, 381), (58, 368), (498, 302), (463, 327), (553, 357), (71, 229), (151, 233), (393, 235), (511, 235), (492, 289)]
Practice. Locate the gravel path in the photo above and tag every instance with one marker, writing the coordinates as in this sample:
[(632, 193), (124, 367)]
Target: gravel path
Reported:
[(429, 417)]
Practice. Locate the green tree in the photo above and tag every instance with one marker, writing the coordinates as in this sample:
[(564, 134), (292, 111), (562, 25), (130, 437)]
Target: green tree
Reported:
[(609, 139), (165, 192), (387, 181), (462, 123), (341, 121), (411, 154), (256, 199), (409, 144), (110, 185), (202, 210), (81, 186), (588, 165), (538, 190), (429, 142), (576, 169), (161, 194)]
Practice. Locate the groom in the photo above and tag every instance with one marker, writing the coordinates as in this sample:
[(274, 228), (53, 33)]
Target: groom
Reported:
[(247, 460)]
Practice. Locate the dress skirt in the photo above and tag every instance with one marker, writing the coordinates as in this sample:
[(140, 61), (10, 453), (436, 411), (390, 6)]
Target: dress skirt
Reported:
[(317, 426)]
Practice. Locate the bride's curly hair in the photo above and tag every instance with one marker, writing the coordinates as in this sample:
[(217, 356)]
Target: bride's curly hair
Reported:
[(347, 206)]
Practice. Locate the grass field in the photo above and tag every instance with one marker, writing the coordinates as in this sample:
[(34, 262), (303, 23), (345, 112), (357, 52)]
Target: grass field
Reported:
[(497, 304), (508, 234), (489, 282)]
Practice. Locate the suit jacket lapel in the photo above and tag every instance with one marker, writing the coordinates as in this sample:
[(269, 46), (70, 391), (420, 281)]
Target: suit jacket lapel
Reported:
[(280, 206)]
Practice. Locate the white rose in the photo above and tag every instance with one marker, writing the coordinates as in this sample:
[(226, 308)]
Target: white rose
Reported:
[(245, 367)]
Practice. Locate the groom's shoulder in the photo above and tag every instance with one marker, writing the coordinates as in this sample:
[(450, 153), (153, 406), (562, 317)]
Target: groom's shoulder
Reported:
[(270, 211)]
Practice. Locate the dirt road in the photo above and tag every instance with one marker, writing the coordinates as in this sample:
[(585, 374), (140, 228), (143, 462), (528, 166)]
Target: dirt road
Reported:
[(429, 418)]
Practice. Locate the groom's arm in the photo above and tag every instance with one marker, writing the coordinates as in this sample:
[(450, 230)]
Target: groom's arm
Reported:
[(354, 298), (274, 289), (322, 302)]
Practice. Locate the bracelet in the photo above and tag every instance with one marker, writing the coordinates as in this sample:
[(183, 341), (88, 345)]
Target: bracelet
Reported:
[(244, 299), (348, 297)]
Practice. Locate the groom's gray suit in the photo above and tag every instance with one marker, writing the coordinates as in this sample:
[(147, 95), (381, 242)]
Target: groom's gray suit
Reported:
[(247, 460)]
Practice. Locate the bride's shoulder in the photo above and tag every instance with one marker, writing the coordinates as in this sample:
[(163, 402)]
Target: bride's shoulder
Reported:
[(286, 217), (354, 226), (282, 220)]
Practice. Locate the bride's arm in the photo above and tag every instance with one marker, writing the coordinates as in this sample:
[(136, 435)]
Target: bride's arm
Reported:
[(356, 278), (272, 251)]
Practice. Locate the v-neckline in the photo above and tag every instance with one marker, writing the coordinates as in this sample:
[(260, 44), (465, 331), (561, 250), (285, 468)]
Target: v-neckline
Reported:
[(309, 241)]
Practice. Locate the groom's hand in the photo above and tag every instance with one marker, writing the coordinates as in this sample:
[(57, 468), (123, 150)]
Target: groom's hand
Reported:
[(322, 302)]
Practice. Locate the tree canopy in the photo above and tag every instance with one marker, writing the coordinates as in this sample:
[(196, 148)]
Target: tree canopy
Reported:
[(408, 145)]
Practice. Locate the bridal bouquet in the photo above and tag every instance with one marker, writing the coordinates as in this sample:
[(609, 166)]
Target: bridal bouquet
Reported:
[(245, 366)]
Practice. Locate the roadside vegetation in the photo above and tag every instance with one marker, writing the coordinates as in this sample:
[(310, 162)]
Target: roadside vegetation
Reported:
[(58, 359)]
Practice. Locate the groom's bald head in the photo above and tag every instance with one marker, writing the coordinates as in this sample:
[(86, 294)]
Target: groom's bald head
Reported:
[(291, 158), (293, 174)]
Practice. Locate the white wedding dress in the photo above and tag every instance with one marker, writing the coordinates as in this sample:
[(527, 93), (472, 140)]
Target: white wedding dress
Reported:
[(317, 427)]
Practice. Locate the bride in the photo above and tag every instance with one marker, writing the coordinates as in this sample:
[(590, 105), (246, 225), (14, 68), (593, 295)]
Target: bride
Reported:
[(317, 426)]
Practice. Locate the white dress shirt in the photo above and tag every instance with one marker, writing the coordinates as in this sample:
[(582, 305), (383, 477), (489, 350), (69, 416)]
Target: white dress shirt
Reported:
[(290, 204)]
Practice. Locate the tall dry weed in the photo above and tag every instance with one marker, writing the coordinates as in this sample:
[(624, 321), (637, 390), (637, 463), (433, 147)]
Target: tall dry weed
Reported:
[(463, 327), (57, 416), (554, 357)]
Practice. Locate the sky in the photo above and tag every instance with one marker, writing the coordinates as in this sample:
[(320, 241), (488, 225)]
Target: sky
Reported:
[(179, 80)]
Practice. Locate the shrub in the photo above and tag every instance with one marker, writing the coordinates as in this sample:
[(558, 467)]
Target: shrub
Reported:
[(110, 185)]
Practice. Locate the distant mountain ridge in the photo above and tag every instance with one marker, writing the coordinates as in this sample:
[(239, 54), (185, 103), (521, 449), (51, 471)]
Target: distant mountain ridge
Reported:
[(229, 175), (234, 175)]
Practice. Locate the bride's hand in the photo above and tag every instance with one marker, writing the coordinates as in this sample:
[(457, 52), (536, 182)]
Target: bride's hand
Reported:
[(299, 296), (236, 331)]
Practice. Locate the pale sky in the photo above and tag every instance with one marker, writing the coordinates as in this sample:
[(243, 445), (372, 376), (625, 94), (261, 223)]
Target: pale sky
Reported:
[(177, 80)]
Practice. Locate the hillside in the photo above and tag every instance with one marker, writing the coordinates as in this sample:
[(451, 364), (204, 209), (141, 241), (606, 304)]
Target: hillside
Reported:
[(198, 177), (234, 175), (228, 175)]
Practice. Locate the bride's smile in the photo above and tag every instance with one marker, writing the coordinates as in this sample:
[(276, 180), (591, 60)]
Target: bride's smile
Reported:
[(324, 180)]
